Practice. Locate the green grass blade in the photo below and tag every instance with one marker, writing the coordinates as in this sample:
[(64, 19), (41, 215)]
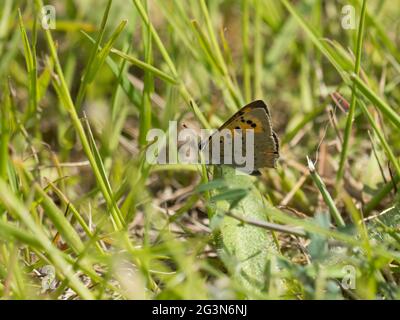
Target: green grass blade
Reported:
[(102, 55), (148, 88), (85, 78), (60, 221), (116, 213), (378, 102), (64, 94), (350, 115), (145, 66), (14, 205), (379, 134), (30, 59), (325, 194), (131, 92)]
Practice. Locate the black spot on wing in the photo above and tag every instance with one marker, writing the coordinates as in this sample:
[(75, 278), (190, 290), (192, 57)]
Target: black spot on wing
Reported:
[(252, 105)]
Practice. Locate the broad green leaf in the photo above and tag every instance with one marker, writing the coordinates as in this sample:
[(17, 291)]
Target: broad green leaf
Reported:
[(244, 249)]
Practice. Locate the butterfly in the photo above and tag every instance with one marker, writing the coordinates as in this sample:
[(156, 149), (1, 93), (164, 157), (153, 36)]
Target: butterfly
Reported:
[(257, 117)]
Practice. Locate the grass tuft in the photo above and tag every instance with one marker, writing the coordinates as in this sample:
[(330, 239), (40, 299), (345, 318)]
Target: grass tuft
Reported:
[(79, 197)]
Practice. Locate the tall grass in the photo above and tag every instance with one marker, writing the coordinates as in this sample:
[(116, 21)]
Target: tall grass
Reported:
[(76, 191)]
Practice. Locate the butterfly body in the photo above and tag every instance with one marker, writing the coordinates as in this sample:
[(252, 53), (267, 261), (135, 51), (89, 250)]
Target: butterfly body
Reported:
[(256, 117)]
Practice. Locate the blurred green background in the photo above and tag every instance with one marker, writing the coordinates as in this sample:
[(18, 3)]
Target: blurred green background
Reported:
[(76, 193)]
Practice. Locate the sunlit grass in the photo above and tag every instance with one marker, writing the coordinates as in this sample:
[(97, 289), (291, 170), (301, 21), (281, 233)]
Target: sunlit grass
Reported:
[(77, 195)]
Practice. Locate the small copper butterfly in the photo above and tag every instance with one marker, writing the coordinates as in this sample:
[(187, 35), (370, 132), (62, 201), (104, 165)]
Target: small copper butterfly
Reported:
[(255, 116)]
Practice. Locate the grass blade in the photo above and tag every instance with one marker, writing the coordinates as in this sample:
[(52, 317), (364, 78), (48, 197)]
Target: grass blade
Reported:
[(350, 115), (325, 194)]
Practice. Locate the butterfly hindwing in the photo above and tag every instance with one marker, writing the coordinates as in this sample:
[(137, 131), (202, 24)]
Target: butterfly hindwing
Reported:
[(254, 116)]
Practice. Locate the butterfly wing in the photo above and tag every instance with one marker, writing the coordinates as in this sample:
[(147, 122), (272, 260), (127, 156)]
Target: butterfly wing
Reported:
[(255, 116), (245, 117)]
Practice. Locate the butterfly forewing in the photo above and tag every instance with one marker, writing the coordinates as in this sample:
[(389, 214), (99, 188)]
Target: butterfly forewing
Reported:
[(254, 116)]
